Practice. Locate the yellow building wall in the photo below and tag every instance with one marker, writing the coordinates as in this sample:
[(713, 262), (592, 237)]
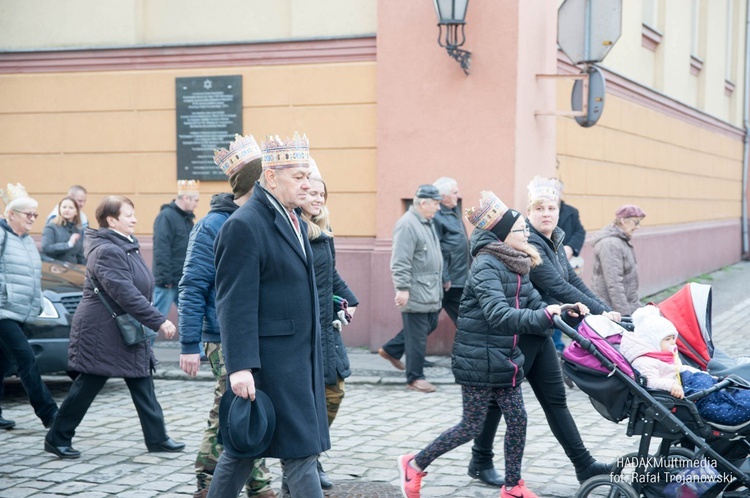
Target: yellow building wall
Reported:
[(115, 133), (675, 171)]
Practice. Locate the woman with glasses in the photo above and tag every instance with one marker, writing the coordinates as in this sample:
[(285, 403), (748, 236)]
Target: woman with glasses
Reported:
[(62, 237), (21, 300), (615, 267), (557, 283)]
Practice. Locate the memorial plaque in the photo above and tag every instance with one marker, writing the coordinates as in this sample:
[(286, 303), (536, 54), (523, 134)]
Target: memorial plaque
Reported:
[(209, 113)]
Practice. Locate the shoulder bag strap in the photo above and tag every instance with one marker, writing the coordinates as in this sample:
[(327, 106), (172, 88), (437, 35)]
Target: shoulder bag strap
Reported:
[(104, 301)]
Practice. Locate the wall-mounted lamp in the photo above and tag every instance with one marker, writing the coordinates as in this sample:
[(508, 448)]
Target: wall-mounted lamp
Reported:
[(451, 14)]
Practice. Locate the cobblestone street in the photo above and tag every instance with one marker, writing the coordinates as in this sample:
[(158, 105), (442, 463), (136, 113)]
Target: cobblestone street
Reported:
[(379, 420)]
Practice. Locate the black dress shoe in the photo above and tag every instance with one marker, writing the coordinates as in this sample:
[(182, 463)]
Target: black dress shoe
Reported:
[(6, 424), (487, 476), (166, 446), (595, 469), (428, 364), (325, 481), (64, 452)]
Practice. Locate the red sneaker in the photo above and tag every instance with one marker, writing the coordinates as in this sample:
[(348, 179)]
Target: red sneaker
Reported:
[(411, 478), (518, 491)]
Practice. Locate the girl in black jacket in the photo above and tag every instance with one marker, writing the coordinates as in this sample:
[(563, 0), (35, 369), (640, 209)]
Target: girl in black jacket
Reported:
[(498, 306)]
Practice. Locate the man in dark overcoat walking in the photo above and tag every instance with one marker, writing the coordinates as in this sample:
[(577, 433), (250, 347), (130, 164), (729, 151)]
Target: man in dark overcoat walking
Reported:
[(268, 316)]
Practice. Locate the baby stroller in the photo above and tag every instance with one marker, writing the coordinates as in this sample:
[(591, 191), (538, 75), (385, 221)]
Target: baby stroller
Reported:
[(690, 311), (694, 469)]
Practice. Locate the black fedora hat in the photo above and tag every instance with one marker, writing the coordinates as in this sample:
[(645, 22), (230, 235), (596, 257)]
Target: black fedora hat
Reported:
[(246, 427)]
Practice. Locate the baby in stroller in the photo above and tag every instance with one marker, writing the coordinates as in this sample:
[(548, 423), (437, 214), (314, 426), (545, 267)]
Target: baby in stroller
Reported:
[(652, 351)]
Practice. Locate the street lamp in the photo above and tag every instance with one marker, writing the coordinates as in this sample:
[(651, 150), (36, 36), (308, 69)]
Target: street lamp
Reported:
[(451, 14)]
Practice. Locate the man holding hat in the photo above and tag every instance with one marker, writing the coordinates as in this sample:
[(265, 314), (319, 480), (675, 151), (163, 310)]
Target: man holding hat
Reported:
[(197, 305), (267, 309), (417, 269)]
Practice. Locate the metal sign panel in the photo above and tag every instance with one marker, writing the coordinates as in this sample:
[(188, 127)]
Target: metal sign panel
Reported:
[(597, 91), (588, 29), (209, 113)]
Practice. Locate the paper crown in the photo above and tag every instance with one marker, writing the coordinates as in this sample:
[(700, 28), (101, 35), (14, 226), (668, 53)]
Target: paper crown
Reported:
[(188, 187), (241, 151), (541, 188), (490, 210), (12, 193), (289, 153)]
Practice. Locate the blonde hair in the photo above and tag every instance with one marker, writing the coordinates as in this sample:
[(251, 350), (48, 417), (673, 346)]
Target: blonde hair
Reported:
[(536, 258), (318, 225)]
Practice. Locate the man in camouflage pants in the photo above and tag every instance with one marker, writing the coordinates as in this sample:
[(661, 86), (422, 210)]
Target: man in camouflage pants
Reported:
[(197, 306)]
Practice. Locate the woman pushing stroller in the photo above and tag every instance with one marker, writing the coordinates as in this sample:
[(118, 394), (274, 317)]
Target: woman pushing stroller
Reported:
[(652, 351), (498, 304)]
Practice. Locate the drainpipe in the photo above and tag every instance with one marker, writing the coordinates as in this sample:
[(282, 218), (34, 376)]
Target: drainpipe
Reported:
[(746, 125)]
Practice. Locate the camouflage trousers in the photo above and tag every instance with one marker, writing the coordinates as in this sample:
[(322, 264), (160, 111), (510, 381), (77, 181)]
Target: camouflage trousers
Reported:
[(334, 395), (209, 450)]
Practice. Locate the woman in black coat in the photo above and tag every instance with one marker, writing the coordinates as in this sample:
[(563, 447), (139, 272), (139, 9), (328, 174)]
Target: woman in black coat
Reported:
[(62, 238), (329, 283), (97, 350), (557, 283)]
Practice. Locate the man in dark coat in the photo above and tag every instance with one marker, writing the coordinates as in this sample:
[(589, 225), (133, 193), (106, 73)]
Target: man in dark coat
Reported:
[(267, 309), (454, 244), (172, 228)]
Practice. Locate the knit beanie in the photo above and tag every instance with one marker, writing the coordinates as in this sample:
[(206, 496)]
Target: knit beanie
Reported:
[(244, 179), (651, 327)]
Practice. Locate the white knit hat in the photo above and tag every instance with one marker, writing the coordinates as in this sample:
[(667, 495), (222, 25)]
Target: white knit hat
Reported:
[(651, 327)]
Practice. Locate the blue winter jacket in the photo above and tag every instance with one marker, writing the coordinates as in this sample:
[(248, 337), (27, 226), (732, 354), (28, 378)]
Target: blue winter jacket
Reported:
[(197, 299)]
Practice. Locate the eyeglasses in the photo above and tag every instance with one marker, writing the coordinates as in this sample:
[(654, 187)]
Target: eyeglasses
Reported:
[(636, 221), (525, 230), (29, 216)]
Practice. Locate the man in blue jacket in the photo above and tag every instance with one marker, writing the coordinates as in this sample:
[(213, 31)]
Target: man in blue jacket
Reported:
[(197, 306), (267, 308)]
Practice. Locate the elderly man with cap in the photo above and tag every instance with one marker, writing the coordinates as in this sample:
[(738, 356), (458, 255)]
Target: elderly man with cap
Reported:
[(267, 308), (417, 270), (197, 305), (615, 269)]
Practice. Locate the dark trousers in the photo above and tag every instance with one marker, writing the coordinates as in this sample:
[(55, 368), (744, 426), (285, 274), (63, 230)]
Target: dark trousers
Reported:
[(82, 394), (543, 372), (300, 476), (412, 340), (451, 302), (16, 349)]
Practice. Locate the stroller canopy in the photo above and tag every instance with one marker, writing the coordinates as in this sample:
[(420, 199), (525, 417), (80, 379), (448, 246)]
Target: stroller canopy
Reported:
[(690, 311)]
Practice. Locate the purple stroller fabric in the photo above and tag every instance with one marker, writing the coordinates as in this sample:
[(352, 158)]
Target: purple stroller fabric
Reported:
[(588, 329)]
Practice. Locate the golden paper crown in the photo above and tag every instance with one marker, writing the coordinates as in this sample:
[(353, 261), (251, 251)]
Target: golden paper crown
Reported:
[(289, 153), (541, 188), (12, 193), (490, 210), (241, 151), (188, 187)]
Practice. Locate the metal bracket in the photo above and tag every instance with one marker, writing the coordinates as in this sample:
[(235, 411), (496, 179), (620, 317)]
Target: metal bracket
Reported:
[(585, 107)]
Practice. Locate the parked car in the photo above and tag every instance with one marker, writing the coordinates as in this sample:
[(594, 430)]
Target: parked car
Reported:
[(49, 333)]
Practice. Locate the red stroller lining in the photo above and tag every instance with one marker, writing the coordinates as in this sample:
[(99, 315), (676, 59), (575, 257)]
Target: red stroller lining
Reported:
[(683, 309)]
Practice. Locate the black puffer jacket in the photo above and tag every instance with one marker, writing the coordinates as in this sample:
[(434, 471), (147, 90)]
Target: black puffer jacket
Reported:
[(497, 306), (96, 346), (172, 228), (555, 279), (329, 283)]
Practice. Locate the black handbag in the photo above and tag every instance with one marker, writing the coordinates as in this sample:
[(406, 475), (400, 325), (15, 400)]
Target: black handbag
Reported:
[(131, 329)]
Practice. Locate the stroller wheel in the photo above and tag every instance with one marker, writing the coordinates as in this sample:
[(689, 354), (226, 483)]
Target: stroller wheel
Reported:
[(606, 487)]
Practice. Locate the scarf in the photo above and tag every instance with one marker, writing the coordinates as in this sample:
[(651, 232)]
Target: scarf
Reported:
[(516, 261)]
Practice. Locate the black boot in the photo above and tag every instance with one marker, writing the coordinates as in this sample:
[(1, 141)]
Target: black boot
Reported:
[(6, 424), (488, 476), (595, 469), (325, 481)]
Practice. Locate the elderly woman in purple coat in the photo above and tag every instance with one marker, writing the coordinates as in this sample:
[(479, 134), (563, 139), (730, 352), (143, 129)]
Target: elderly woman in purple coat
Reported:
[(97, 351)]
